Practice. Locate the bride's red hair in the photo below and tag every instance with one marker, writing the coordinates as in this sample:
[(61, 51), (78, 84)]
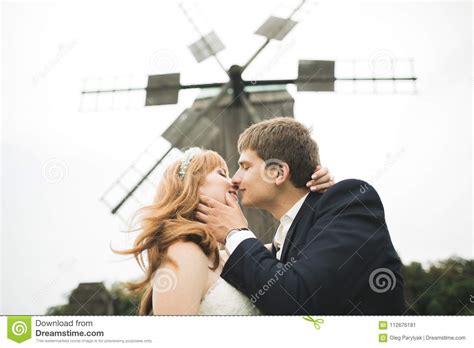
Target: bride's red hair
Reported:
[(171, 218)]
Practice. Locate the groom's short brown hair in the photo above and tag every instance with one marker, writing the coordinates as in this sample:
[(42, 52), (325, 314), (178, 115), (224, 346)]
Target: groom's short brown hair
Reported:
[(284, 139)]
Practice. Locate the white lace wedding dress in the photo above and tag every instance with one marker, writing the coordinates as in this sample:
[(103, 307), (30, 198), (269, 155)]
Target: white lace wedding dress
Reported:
[(223, 299)]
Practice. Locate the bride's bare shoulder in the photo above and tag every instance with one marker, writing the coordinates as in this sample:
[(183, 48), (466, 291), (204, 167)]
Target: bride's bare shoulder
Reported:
[(187, 254), (184, 280)]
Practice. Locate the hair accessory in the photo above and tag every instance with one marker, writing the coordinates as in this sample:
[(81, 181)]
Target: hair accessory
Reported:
[(187, 157)]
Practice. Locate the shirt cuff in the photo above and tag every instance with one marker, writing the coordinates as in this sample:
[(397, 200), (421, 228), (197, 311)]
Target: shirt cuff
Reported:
[(234, 239)]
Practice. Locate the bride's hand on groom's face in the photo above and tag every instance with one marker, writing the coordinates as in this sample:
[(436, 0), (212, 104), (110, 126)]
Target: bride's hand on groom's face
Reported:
[(321, 180), (220, 218)]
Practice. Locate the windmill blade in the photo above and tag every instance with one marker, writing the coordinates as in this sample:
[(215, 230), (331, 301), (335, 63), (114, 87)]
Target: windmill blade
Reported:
[(176, 141), (274, 28), (137, 184), (162, 89), (140, 182), (159, 90), (392, 85), (316, 75), (194, 127), (320, 76), (188, 130), (207, 46), (381, 74), (112, 93)]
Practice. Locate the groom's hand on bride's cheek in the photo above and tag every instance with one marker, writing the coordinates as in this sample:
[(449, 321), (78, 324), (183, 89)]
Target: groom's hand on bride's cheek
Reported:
[(220, 218), (321, 180)]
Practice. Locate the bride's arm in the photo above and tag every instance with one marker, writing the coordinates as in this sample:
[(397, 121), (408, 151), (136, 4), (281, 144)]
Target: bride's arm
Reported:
[(178, 288)]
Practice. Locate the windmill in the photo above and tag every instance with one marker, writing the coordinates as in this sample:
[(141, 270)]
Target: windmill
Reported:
[(215, 122)]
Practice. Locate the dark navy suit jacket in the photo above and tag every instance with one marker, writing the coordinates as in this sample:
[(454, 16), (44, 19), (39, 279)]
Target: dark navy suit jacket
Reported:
[(337, 258)]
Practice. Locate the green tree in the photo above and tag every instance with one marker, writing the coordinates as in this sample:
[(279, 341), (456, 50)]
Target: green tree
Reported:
[(445, 288)]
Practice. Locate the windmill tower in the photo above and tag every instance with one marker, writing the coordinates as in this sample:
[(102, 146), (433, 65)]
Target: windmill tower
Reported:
[(215, 122)]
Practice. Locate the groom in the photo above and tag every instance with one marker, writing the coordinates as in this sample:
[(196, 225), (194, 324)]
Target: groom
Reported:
[(331, 254)]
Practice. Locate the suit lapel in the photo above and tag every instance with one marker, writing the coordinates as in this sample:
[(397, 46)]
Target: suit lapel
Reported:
[(289, 238), (306, 211)]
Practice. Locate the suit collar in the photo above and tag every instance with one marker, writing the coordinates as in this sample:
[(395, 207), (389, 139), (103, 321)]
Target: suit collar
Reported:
[(293, 211)]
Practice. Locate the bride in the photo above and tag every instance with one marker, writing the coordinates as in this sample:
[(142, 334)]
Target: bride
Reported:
[(180, 258)]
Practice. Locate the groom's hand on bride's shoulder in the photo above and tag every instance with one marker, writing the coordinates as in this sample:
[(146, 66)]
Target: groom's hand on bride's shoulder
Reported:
[(220, 218), (321, 180)]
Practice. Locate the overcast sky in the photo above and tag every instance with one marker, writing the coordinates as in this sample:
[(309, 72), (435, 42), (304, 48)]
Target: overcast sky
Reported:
[(56, 161)]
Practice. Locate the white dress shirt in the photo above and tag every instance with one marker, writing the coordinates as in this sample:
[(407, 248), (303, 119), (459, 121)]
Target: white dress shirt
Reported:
[(235, 238), (285, 224)]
